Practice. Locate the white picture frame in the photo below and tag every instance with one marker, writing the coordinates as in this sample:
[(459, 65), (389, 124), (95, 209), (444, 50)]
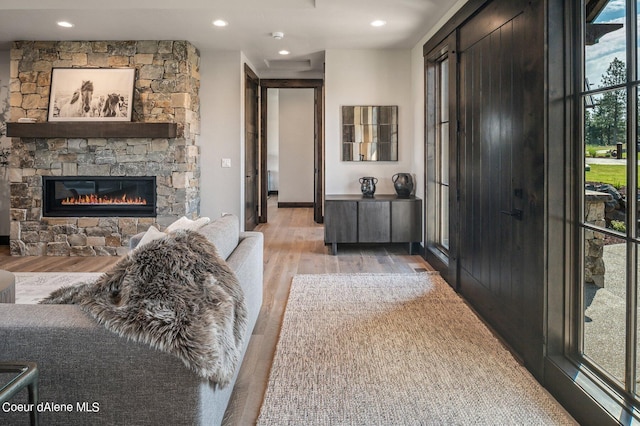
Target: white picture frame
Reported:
[(91, 94)]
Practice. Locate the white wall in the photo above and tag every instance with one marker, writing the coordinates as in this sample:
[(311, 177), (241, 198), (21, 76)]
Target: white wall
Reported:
[(368, 77), (273, 137), (352, 77), (221, 132), (296, 145)]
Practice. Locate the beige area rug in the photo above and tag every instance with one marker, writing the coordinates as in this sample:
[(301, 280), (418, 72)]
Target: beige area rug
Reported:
[(31, 287), (385, 349)]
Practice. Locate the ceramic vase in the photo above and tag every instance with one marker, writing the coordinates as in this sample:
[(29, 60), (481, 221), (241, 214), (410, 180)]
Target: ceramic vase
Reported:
[(368, 186), (403, 184)]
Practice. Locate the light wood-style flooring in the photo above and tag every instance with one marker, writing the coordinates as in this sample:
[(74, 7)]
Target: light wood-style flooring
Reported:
[(294, 244)]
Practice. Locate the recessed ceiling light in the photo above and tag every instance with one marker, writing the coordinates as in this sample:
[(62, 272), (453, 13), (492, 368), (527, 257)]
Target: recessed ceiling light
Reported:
[(220, 23), (284, 52), (378, 23), (65, 24)]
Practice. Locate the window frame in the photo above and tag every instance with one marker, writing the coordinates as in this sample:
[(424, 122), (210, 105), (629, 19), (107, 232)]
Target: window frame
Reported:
[(442, 258), (628, 388)]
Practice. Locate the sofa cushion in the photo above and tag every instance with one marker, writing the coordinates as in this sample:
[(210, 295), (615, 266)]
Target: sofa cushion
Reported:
[(224, 233), (186, 223)]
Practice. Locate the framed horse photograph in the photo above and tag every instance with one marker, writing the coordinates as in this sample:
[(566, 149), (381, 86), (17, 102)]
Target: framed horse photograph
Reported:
[(91, 94)]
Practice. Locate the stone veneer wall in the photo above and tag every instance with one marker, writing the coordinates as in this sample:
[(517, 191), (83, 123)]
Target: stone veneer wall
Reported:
[(166, 90), (594, 266)]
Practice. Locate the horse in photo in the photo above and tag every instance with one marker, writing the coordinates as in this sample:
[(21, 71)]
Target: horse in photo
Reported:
[(112, 106), (80, 103), (97, 104)]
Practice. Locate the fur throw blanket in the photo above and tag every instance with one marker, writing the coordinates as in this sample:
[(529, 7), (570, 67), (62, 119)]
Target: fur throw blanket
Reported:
[(175, 294)]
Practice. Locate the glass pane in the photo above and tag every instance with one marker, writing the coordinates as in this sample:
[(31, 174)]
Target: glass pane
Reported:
[(638, 38), (637, 266), (637, 184), (605, 172), (605, 43), (444, 216), (604, 292), (444, 90), (444, 153)]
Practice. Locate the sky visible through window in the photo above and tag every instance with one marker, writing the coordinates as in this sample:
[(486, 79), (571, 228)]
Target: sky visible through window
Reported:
[(611, 45)]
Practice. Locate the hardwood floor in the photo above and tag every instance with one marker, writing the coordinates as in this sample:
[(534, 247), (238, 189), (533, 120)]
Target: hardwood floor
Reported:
[(54, 263), (294, 244)]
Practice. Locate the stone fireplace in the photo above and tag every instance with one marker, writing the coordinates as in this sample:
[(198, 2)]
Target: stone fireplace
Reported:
[(80, 158)]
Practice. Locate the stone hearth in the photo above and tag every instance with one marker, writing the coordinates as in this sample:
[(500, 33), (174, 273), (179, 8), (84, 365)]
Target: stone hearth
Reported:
[(166, 90)]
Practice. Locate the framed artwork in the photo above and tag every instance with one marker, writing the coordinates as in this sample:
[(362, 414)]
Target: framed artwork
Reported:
[(370, 133), (91, 94)]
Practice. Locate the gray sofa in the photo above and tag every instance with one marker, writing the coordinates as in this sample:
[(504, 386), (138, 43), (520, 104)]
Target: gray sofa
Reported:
[(81, 363)]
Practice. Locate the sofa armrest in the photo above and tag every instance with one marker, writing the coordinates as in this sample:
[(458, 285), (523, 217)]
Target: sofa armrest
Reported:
[(82, 363), (247, 263)]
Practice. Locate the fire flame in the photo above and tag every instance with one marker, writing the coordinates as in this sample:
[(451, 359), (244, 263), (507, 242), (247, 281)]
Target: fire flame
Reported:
[(93, 199)]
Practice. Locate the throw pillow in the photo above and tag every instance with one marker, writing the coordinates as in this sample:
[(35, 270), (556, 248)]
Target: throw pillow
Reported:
[(152, 234), (187, 224)]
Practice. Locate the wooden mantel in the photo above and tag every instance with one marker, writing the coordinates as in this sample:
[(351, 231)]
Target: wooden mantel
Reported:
[(92, 129)]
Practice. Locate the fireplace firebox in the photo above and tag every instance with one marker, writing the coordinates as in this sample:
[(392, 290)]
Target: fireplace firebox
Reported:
[(99, 196)]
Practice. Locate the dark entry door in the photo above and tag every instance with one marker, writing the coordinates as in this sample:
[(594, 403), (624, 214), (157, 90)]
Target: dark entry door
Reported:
[(499, 271), (251, 189)]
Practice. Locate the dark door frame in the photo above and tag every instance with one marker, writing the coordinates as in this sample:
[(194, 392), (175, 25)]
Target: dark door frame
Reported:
[(251, 77), (318, 173)]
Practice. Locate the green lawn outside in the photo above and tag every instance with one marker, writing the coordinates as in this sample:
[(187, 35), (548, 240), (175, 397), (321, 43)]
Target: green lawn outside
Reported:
[(608, 173), (598, 150), (603, 151)]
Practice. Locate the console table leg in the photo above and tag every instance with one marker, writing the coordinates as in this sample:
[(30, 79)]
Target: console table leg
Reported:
[(334, 248)]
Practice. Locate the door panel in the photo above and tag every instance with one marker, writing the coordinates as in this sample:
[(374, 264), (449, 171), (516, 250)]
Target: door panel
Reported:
[(342, 222), (492, 212), (251, 150), (374, 222)]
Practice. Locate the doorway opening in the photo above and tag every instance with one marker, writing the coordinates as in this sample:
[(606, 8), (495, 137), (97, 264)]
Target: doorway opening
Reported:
[(267, 179)]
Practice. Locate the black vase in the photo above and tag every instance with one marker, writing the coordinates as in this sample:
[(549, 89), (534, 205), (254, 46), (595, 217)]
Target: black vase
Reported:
[(403, 184), (368, 186)]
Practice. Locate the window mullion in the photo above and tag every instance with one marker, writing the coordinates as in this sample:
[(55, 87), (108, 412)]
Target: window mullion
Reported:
[(632, 198)]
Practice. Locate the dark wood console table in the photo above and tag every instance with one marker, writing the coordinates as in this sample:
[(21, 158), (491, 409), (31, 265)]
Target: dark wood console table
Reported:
[(380, 219)]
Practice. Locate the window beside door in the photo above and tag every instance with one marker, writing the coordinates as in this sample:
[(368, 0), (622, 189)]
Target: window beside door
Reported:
[(442, 154), (437, 152), (606, 314)]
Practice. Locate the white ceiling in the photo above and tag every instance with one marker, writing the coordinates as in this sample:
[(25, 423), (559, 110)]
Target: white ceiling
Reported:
[(310, 26)]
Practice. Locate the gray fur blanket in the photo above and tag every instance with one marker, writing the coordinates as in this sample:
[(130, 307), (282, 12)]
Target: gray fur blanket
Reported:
[(175, 294)]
